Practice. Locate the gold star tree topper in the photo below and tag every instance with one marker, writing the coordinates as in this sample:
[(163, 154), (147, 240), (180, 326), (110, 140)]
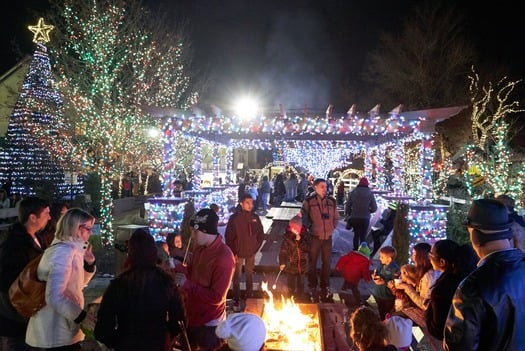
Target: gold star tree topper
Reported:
[(41, 31)]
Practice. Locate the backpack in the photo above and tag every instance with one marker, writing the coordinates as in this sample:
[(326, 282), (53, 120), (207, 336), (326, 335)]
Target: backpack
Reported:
[(27, 293)]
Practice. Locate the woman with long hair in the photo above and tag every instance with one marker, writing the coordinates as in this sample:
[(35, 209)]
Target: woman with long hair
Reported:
[(67, 266), (368, 332), (419, 287)]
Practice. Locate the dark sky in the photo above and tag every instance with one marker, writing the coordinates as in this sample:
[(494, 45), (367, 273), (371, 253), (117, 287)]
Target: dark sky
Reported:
[(292, 51)]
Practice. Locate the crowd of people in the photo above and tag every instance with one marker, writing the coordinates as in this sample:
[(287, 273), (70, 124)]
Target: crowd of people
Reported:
[(469, 295)]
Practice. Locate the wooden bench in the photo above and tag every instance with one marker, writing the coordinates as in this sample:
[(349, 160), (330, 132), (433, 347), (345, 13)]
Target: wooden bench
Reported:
[(417, 315)]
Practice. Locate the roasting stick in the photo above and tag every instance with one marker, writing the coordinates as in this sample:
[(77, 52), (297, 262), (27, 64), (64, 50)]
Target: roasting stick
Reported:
[(275, 282), (185, 333), (184, 263)]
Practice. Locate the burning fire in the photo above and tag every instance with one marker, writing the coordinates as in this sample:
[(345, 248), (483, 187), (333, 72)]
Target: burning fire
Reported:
[(288, 328)]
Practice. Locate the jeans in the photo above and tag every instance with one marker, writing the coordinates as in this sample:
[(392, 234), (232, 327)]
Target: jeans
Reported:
[(249, 264), (295, 285), (325, 248), (355, 291), (360, 228), (264, 199)]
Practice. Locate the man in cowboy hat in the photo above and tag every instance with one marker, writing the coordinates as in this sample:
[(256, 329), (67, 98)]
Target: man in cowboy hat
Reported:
[(488, 308)]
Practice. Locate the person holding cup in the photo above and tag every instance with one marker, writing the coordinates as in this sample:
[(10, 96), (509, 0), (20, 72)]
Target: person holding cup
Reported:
[(419, 285)]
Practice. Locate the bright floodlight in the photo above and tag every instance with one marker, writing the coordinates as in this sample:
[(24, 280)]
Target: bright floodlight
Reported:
[(246, 107), (153, 132)]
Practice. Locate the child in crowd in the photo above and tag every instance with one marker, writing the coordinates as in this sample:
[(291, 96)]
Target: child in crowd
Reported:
[(399, 332), (354, 266), (175, 246), (368, 332), (408, 278), (387, 272), (242, 332), (293, 257)]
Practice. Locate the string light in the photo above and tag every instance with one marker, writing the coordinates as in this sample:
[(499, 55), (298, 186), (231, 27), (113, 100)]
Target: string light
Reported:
[(37, 149), (112, 63)]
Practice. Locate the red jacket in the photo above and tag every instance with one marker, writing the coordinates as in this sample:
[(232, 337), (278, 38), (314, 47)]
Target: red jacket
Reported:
[(209, 276), (354, 266)]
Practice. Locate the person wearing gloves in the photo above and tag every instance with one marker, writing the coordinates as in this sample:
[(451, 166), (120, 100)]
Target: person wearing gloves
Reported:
[(205, 280), (293, 257), (67, 266), (242, 332)]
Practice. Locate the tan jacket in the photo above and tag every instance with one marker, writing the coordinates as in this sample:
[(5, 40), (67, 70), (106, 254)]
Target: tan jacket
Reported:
[(320, 216)]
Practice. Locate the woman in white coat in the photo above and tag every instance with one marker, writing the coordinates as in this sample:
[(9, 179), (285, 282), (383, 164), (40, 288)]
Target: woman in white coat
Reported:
[(67, 266)]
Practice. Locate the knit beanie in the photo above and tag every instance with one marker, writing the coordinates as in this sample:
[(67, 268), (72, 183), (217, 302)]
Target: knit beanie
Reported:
[(242, 332), (399, 331), (206, 221), (364, 249), (296, 222), (363, 182)]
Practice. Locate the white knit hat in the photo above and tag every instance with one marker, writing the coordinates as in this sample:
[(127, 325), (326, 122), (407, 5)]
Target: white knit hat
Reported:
[(242, 332), (399, 331)]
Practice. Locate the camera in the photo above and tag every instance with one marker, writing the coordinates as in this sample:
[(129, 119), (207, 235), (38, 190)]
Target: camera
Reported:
[(325, 215)]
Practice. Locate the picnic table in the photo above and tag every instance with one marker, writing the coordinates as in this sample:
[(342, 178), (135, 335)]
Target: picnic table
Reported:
[(282, 213), (291, 204)]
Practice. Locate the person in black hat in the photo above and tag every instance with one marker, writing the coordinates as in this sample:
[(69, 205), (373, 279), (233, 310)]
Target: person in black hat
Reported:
[(205, 280), (488, 309), (518, 224)]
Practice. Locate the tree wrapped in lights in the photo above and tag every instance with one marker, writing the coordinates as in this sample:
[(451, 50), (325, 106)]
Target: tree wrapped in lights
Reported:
[(490, 151), (114, 58), (38, 148), (490, 105)]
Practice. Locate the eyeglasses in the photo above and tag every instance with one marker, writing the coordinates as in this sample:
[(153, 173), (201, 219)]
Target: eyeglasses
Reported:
[(86, 227)]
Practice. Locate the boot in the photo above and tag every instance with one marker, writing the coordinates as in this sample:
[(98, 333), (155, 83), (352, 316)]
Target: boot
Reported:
[(326, 296)]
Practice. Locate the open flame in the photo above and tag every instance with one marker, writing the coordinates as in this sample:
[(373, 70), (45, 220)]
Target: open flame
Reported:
[(289, 328)]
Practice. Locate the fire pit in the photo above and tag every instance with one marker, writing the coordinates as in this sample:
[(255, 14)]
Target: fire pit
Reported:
[(301, 327)]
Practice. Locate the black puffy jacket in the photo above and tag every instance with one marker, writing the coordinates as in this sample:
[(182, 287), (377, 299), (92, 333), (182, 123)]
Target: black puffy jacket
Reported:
[(294, 254)]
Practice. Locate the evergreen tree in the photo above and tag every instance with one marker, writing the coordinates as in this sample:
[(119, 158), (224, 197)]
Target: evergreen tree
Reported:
[(36, 147)]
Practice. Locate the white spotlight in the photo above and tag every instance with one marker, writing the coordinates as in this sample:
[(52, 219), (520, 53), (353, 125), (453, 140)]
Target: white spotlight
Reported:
[(246, 107)]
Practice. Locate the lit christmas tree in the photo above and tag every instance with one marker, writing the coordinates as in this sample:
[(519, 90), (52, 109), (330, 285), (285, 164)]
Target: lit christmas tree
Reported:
[(36, 149)]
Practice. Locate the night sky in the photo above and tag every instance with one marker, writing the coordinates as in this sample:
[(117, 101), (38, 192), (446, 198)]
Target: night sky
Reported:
[(290, 51)]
